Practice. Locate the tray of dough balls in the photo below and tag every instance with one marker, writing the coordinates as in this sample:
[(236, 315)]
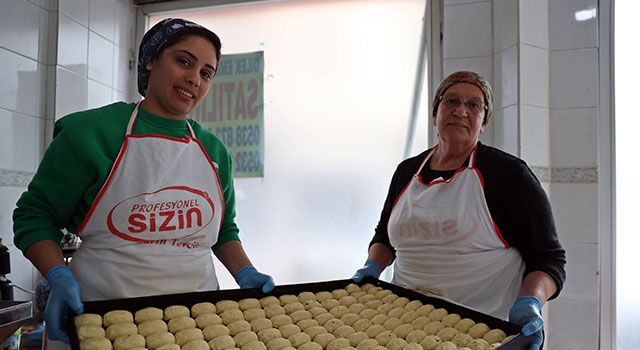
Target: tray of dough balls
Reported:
[(332, 315)]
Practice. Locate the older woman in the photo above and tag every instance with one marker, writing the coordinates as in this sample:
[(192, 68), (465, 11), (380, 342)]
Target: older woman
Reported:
[(468, 222)]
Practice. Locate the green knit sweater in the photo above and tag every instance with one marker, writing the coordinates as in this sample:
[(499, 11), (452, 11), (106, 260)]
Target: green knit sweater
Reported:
[(79, 159)]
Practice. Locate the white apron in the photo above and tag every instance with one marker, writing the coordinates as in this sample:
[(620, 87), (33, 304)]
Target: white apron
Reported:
[(447, 244), (152, 225)]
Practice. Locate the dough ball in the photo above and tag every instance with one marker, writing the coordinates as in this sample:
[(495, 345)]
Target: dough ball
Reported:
[(324, 339), (408, 316), (252, 314), (507, 338), (306, 296), (412, 346), (254, 345), (352, 288), (230, 316), (304, 324), (381, 293), (367, 344), (450, 320), (374, 304), (314, 330), (330, 303), (374, 330), (356, 308), (90, 332), (249, 303), (385, 308), (273, 310), (149, 327), (464, 325), (339, 311), (187, 335), (355, 338), (129, 341), (347, 300), (400, 302), (338, 343), (179, 323), (175, 311), (205, 320), (478, 330), (278, 343), (244, 338), (299, 339), (430, 342), (447, 333), (87, 319), (323, 318), (288, 298), (222, 342), (425, 310), (413, 305), (214, 330), (379, 319), (169, 346), (238, 326), (391, 323), (95, 344), (494, 336), (416, 336), (397, 344), (317, 311), (339, 293), (461, 339), (159, 339), (269, 334), (269, 300), (224, 305), (343, 331), (350, 318), (202, 308), (117, 316), (494, 346), (300, 315), (361, 324), (446, 345), (433, 327), (281, 320), (438, 314), (309, 304), (478, 344), (323, 295), (367, 313), (310, 346), (119, 329), (333, 324), (366, 297), (288, 330), (396, 312), (197, 344), (403, 330), (384, 337), (420, 322), (261, 323)]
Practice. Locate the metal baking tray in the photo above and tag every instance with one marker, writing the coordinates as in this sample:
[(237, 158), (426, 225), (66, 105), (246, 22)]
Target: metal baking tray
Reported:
[(519, 342)]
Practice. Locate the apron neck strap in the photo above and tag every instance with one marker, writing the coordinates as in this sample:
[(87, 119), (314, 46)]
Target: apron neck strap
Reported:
[(472, 158), (134, 117)]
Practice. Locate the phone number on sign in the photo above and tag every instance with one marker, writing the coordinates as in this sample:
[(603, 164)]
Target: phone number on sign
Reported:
[(244, 135), (248, 161)]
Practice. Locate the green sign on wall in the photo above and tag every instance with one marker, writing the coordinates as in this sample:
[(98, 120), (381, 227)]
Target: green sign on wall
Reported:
[(233, 110)]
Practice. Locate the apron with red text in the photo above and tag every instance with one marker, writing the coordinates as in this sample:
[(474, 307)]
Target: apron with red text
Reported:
[(447, 244), (152, 226)]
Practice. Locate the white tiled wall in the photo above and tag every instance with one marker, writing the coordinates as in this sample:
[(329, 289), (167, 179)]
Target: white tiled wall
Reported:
[(544, 68), (58, 56)]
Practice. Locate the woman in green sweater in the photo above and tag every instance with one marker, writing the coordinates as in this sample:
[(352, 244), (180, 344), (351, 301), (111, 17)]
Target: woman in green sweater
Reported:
[(149, 191)]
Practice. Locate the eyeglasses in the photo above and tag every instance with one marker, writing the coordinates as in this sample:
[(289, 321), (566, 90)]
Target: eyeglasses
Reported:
[(476, 106)]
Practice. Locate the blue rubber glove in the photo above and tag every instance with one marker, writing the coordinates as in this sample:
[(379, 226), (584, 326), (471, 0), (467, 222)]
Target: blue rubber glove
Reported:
[(526, 312), (249, 277), (370, 269), (64, 294)]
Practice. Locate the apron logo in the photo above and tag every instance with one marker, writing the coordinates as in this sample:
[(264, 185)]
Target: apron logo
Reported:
[(159, 215), (446, 231)]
